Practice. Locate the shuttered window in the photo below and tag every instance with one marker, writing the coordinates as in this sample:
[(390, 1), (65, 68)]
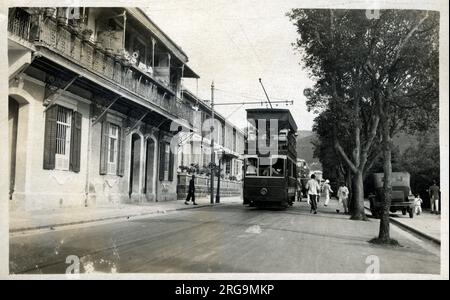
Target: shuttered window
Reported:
[(63, 135), (166, 161), (162, 156), (171, 162), (228, 167), (112, 149), (62, 140), (121, 154), (75, 148)]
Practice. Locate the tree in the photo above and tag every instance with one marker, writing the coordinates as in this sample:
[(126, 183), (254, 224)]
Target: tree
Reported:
[(335, 47), (332, 162), (403, 70)]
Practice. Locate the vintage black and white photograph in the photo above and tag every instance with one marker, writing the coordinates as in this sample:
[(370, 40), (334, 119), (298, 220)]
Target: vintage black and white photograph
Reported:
[(264, 139)]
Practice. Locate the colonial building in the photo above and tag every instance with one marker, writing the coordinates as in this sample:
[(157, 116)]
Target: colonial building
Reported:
[(195, 150), (94, 94)]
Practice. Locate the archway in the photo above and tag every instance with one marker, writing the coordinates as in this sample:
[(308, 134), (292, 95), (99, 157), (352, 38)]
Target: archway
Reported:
[(20, 145), (13, 120)]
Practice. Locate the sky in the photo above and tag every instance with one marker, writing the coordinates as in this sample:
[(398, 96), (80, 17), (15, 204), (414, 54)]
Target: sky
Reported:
[(234, 43)]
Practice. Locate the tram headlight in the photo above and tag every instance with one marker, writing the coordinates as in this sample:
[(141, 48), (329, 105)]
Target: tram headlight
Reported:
[(263, 191)]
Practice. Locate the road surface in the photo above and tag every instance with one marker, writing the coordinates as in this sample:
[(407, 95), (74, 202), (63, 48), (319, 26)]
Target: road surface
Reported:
[(226, 238)]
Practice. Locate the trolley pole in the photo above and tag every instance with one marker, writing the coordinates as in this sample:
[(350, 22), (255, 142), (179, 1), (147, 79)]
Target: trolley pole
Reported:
[(267, 96), (212, 146)]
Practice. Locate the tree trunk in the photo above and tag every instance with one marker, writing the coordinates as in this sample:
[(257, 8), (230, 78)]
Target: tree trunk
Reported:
[(384, 234), (348, 183), (358, 212)]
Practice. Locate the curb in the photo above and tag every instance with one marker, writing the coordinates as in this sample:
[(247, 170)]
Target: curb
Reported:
[(24, 229), (415, 231), (412, 230)]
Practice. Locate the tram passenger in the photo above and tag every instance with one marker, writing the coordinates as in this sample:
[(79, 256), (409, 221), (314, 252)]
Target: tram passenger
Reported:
[(267, 170), (251, 168)]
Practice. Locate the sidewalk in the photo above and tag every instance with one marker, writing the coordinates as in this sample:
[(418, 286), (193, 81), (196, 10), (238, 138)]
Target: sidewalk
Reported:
[(426, 224), (31, 220)]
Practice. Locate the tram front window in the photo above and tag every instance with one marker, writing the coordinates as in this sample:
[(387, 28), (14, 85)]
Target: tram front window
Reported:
[(271, 167), (264, 166)]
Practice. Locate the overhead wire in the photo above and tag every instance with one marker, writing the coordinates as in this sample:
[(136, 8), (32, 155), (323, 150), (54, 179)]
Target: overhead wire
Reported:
[(247, 96)]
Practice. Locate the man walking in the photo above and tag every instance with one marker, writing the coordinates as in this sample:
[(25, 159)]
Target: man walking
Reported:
[(434, 197), (191, 191), (299, 190), (343, 197), (313, 193), (327, 190)]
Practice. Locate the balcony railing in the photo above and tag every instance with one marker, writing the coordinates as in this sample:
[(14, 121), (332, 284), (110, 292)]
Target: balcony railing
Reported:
[(19, 23), (69, 43)]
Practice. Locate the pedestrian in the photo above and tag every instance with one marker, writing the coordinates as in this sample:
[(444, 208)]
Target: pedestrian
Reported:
[(342, 194), (299, 190), (327, 190), (434, 197), (191, 191), (418, 205), (313, 192)]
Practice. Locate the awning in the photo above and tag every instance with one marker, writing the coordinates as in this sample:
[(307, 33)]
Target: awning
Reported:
[(189, 73)]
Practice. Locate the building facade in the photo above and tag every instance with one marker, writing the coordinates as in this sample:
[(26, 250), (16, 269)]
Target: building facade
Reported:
[(94, 97), (195, 150)]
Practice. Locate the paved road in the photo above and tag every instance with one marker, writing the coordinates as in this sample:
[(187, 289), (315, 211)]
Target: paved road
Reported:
[(225, 238)]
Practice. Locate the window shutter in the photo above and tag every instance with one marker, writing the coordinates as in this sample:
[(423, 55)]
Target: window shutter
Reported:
[(162, 156), (171, 161), (104, 148), (121, 155), (75, 147), (50, 138)]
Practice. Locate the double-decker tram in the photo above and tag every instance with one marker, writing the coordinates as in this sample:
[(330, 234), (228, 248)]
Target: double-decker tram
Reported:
[(270, 175)]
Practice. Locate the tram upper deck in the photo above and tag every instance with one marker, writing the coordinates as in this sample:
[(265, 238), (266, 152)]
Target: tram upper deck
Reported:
[(269, 130)]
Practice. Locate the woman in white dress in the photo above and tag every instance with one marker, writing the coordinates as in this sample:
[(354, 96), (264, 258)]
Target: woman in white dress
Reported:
[(327, 190)]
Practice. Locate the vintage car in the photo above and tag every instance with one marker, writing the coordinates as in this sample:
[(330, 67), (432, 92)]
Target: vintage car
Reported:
[(402, 198)]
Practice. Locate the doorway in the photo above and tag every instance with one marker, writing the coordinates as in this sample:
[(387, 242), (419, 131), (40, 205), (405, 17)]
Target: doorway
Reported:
[(149, 183), (135, 165)]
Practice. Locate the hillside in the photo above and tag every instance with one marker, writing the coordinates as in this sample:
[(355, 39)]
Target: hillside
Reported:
[(305, 147)]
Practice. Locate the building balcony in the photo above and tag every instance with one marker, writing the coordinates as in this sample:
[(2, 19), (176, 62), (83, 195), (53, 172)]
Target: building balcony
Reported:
[(114, 66)]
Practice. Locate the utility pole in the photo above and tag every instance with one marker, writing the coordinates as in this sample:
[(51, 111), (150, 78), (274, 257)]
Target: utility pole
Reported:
[(212, 145), (218, 178)]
